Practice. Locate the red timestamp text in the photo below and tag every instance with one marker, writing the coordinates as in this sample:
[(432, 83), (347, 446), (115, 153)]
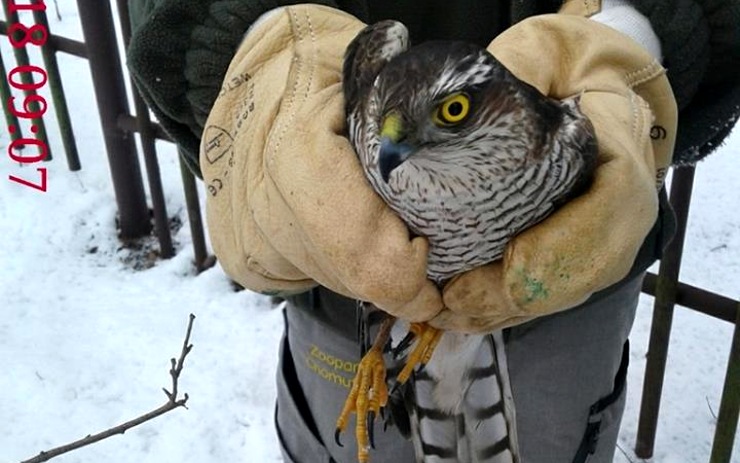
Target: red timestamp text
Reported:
[(28, 79)]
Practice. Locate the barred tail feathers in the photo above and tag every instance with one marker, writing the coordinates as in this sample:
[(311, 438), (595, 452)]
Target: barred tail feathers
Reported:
[(460, 414)]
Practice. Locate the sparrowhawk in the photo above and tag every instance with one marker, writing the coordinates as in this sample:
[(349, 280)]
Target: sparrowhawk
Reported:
[(468, 156)]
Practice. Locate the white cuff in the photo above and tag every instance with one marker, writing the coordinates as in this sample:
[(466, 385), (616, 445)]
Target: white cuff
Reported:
[(622, 16)]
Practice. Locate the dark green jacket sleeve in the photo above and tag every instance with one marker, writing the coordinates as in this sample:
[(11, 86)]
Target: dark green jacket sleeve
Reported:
[(701, 48), (179, 53), (138, 11)]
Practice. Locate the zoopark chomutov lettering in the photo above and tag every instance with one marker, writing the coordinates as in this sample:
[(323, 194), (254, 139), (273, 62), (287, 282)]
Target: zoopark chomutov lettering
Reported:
[(340, 372)]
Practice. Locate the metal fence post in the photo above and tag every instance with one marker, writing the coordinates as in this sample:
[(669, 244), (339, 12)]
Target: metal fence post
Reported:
[(665, 300), (110, 92), (146, 136), (729, 409), (195, 218)]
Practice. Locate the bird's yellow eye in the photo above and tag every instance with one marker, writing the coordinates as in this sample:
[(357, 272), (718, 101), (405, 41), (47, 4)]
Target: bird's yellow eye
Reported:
[(453, 110)]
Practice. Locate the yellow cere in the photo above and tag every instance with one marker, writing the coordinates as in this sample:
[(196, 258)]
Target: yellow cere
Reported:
[(392, 126), (454, 109)]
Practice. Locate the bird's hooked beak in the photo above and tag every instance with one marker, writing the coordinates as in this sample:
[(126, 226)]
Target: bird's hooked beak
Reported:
[(393, 151)]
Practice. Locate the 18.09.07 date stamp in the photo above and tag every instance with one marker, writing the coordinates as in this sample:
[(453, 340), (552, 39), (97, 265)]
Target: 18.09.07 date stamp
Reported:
[(29, 79)]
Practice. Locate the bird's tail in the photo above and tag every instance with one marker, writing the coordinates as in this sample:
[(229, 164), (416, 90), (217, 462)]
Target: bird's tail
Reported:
[(480, 429), (486, 424)]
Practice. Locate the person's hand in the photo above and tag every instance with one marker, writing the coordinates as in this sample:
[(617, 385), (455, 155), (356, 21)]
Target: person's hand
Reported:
[(288, 206), (591, 242)]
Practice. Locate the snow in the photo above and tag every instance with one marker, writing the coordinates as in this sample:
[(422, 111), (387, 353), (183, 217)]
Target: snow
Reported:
[(85, 340)]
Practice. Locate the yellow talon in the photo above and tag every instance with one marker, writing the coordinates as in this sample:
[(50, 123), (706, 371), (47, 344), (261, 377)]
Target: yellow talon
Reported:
[(368, 395), (427, 339), (369, 392)]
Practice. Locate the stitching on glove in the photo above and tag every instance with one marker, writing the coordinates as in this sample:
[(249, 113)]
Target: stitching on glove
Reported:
[(285, 118), (311, 30), (645, 74), (296, 24), (636, 119), (642, 124), (313, 60)]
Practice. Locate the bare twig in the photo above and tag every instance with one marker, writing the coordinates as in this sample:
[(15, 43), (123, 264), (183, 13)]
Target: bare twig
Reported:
[(56, 7), (711, 410), (172, 403), (626, 455)]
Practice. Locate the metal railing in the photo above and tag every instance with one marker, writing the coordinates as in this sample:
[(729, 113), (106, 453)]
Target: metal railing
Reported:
[(668, 292), (119, 125)]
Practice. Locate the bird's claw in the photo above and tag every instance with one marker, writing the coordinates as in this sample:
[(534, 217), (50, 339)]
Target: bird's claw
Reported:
[(370, 428), (337, 433), (369, 394), (404, 344), (428, 338)]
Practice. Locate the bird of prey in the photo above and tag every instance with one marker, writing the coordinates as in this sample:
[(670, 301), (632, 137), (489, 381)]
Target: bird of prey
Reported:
[(468, 156)]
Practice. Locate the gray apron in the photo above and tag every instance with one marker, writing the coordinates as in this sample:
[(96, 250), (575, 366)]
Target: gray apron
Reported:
[(567, 374)]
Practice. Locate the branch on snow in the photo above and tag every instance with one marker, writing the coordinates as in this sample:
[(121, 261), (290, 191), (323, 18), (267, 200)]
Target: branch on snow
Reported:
[(172, 403)]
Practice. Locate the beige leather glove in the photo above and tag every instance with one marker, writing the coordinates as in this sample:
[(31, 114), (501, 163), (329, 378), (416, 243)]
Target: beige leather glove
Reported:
[(288, 205), (591, 242)]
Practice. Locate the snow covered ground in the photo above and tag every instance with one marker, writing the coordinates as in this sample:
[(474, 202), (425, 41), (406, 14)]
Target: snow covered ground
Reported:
[(85, 340)]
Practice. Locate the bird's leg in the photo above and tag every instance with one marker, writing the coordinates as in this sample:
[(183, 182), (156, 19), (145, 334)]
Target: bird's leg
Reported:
[(427, 339), (369, 394)]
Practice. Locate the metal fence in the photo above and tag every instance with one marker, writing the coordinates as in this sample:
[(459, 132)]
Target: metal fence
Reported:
[(119, 125)]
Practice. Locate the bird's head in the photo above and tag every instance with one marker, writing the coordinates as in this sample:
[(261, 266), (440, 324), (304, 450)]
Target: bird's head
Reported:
[(446, 113), (451, 108), (442, 103)]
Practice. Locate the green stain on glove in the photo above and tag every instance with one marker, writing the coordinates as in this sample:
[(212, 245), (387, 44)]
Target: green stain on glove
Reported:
[(533, 288)]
